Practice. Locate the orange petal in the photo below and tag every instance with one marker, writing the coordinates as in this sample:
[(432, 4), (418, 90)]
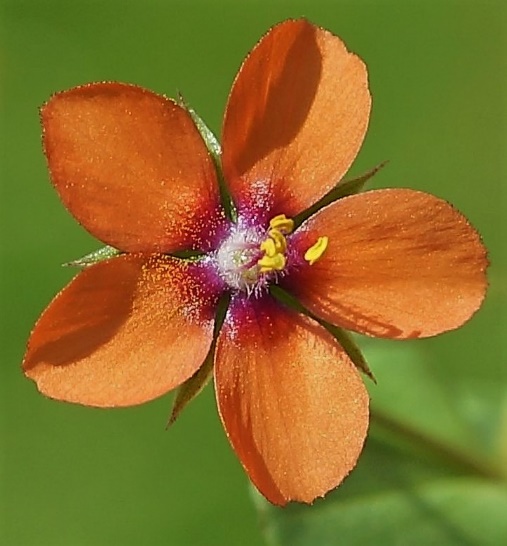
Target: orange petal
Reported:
[(123, 332), (295, 119), (400, 264), (292, 403), (131, 166)]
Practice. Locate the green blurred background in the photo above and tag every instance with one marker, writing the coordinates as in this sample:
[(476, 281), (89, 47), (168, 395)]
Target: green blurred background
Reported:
[(74, 476)]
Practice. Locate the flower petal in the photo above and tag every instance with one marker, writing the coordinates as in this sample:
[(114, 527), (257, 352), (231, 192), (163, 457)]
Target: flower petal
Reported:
[(295, 119), (123, 332), (292, 403), (400, 264), (131, 166)]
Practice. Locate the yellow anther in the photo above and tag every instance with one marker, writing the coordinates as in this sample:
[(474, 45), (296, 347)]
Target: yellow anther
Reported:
[(315, 251), (275, 245), (269, 247), (279, 240), (282, 223), (272, 263)]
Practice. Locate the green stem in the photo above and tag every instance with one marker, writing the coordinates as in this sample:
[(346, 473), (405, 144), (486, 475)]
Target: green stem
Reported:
[(453, 456)]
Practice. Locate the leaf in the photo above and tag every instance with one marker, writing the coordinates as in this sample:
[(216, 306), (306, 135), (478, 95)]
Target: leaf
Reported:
[(342, 189), (104, 253), (394, 497), (423, 477)]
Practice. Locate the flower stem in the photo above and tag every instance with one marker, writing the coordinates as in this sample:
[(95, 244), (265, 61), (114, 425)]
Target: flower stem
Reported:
[(419, 440)]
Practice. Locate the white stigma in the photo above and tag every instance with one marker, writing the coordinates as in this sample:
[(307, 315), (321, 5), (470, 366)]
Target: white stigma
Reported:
[(237, 259)]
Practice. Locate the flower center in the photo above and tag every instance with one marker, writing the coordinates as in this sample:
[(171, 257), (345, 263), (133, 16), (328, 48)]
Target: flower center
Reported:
[(250, 258)]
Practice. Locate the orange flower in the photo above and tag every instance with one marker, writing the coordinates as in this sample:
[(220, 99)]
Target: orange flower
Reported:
[(132, 168)]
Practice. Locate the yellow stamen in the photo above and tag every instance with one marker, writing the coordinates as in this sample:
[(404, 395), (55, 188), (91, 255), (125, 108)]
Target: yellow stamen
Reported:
[(315, 251), (269, 247), (278, 239), (282, 223), (272, 263), (275, 245)]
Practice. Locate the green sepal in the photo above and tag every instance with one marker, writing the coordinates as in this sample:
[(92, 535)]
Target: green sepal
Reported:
[(342, 189), (351, 348), (354, 185), (104, 253), (192, 387), (195, 384), (215, 152), (344, 338), (206, 133)]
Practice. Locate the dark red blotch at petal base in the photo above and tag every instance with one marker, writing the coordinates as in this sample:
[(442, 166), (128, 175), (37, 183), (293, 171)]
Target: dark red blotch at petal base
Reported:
[(132, 168), (400, 264), (123, 331), (293, 405), (295, 119)]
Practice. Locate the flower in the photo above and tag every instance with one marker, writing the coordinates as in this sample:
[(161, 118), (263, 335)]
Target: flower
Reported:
[(133, 169)]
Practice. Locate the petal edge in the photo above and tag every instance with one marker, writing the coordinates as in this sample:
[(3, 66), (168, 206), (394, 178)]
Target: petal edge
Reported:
[(295, 119), (131, 166), (122, 332), (293, 405), (400, 264)]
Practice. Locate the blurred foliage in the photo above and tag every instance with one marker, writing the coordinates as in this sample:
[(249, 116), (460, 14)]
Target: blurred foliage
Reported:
[(434, 468), (423, 478)]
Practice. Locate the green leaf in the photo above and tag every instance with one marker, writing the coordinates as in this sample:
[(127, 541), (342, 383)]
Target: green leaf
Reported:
[(395, 498), (342, 189), (104, 253), (423, 477)]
